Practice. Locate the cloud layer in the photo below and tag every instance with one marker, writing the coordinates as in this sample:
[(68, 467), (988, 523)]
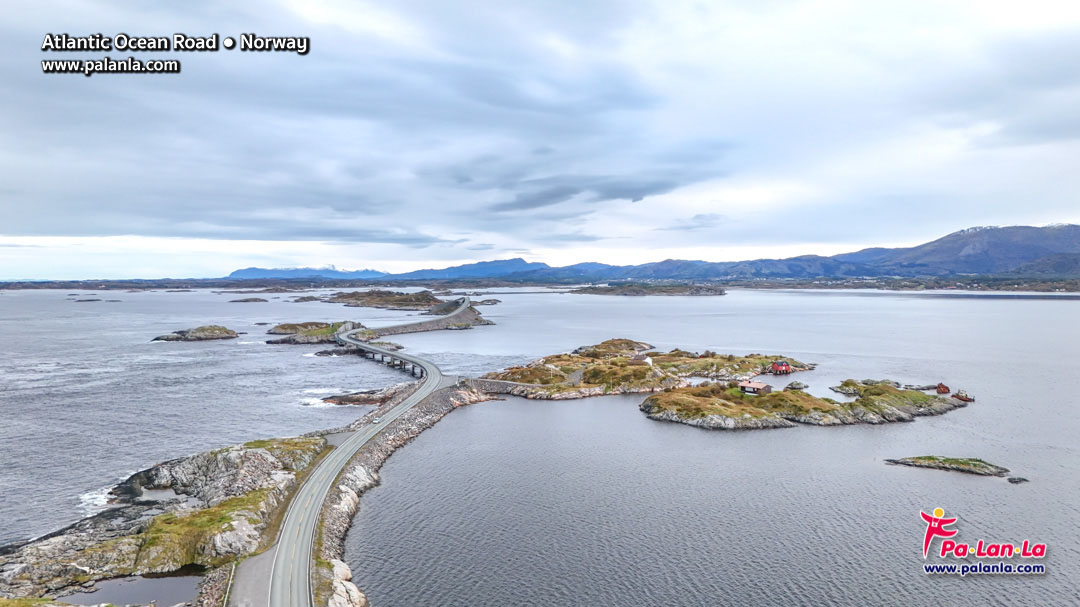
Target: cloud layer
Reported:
[(419, 132)]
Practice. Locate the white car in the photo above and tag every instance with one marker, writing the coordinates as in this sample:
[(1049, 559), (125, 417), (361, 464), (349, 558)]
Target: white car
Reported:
[(376, 420)]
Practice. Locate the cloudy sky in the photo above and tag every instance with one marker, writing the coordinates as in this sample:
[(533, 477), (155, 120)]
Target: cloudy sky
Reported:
[(428, 133)]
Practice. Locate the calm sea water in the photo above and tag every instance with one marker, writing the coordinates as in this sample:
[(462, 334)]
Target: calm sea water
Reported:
[(589, 503), (586, 502)]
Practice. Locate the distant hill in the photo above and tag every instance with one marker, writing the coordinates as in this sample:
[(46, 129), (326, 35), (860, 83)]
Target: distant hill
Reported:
[(330, 272), (1058, 265), (972, 251), (1016, 250)]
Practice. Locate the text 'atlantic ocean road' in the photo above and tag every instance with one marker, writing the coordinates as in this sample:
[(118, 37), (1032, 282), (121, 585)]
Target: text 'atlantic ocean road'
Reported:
[(300, 45)]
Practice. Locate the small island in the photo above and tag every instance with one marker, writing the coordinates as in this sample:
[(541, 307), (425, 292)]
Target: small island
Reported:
[(731, 402), (638, 289), (250, 300), (735, 406), (204, 333), (968, 465), (622, 366), (311, 332)]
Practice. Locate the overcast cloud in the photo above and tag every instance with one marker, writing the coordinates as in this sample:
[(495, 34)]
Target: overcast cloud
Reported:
[(422, 133)]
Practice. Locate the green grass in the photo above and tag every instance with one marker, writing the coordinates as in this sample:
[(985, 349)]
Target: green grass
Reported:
[(723, 399), (26, 602), (182, 537)]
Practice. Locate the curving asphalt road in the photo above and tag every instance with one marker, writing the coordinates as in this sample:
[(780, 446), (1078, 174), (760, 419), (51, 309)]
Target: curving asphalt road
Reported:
[(290, 577)]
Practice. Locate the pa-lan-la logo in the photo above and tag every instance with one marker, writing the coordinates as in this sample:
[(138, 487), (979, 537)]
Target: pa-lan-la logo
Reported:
[(938, 526)]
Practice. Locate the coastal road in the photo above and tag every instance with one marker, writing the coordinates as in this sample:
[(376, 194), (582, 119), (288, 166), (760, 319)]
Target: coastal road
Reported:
[(290, 577)]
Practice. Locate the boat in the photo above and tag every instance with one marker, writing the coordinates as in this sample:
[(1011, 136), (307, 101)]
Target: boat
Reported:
[(961, 395), (942, 389)]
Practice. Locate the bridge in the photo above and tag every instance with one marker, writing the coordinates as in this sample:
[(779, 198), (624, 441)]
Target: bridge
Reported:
[(290, 583)]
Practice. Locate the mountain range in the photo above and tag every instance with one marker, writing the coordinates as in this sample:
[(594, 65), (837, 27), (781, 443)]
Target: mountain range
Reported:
[(1050, 251)]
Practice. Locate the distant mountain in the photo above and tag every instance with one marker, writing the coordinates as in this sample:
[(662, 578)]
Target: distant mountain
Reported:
[(972, 251), (1017, 250), (1058, 265), (330, 272), (483, 269)]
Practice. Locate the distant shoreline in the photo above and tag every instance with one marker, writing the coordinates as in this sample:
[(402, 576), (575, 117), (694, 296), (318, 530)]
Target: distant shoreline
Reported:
[(1058, 288)]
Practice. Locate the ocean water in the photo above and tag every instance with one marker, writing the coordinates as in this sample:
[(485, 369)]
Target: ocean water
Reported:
[(87, 399), (590, 503), (586, 502)]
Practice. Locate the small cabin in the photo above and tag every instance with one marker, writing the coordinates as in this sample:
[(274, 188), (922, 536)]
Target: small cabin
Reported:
[(780, 367), (754, 387)]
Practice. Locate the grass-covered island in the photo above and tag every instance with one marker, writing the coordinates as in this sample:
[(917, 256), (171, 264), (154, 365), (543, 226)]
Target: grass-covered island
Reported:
[(969, 465), (619, 366), (638, 289), (723, 406)]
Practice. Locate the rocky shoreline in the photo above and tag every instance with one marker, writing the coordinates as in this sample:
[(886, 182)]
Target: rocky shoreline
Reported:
[(218, 506), (244, 488), (334, 580)]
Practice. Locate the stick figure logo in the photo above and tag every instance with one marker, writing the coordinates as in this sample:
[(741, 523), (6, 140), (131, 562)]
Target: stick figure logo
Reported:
[(935, 527)]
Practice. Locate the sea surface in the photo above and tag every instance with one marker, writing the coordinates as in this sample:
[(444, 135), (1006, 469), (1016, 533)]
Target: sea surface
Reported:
[(586, 502), (589, 503)]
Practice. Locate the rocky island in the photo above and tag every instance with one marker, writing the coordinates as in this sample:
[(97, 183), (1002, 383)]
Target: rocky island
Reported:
[(634, 289), (967, 465), (387, 300), (204, 333), (311, 332), (728, 407), (622, 366)]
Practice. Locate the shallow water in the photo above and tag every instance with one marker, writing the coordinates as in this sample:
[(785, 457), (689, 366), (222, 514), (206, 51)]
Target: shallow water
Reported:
[(166, 590), (590, 503)]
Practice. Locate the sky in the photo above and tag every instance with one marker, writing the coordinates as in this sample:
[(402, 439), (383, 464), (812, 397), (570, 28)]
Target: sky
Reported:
[(420, 134)]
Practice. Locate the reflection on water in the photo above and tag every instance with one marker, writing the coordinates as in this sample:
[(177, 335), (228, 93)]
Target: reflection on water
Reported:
[(165, 590)]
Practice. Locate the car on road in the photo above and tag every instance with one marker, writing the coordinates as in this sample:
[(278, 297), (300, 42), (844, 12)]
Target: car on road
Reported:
[(376, 420)]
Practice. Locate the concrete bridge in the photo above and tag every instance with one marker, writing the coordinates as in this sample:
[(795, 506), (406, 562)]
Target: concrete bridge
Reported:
[(389, 359)]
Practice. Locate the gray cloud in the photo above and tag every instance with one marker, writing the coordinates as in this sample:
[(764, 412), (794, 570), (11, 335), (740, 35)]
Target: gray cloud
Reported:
[(447, 127)]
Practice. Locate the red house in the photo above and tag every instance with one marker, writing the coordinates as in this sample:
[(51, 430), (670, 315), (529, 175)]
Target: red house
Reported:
[(780, 367)]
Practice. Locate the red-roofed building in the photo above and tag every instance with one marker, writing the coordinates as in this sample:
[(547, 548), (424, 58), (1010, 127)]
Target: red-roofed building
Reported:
[(780, 367), (754, 387)]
